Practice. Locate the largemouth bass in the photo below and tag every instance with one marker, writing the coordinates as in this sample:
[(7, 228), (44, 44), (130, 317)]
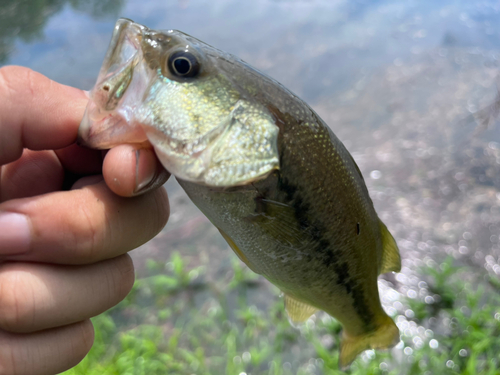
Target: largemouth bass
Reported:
[(261, 165)]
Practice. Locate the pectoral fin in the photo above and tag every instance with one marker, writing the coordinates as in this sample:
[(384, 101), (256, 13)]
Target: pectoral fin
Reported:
[(298, 311), (391, 260), (236, 249), (278, 221)]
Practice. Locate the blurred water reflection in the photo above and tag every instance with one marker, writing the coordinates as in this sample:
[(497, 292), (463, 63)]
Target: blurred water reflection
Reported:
[(410, 87)]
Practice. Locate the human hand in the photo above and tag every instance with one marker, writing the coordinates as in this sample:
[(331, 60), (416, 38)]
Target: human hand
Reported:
[(62, 244)]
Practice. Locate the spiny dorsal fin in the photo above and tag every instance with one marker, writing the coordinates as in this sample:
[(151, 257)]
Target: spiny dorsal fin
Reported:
[(391, 260), (298, 311)]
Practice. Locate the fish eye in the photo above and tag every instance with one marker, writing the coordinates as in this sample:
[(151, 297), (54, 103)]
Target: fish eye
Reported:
[(183, 64)]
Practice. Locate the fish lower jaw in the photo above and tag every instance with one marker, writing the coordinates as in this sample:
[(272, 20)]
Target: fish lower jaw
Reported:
[(213, 177), (109, 131), (201, 167)]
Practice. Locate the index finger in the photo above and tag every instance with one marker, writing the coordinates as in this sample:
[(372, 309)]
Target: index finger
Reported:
[(79, 226), (36, 112)]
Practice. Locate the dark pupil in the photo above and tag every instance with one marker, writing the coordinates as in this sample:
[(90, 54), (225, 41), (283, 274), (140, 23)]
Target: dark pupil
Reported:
[(182, 65)]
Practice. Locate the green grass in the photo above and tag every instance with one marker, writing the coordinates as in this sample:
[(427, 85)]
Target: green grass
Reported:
[(176, 322)]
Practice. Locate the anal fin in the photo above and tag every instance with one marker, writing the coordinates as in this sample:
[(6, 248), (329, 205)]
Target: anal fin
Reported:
[(391, 260), (298, 311)]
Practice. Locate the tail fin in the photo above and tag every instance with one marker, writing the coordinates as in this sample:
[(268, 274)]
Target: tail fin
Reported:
[(384, 337)]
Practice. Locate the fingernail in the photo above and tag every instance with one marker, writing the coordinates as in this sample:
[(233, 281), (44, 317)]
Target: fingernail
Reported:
[(15, 233), (144, 173), (86, 181)]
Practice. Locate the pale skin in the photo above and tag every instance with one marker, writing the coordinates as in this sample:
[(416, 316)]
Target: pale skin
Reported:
[(63, 254)]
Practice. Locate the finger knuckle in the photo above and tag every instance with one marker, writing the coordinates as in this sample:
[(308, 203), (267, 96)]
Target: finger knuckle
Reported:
[(126, 275), (88, 234), (79, 341), (7, 360), (7, 74), (161, 209), (15, 79), (16, 299), (10, 145), (118, 278), (87, 336)]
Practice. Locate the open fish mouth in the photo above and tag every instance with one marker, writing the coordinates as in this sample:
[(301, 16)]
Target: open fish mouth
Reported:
[(107, 119)]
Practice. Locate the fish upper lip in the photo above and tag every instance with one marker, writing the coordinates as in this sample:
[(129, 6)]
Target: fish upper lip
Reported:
[(124, 28)]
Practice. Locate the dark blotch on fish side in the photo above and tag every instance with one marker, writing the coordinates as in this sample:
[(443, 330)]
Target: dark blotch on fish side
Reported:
[(324, 248)]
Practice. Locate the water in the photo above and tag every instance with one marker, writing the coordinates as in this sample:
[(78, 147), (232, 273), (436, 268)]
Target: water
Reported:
[(408, 86)]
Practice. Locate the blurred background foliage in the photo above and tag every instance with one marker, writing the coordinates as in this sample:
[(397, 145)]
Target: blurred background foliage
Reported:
[(26, 19)]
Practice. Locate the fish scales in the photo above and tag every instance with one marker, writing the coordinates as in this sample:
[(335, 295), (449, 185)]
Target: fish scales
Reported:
[(322, 217), (322, 213), (261, 165)]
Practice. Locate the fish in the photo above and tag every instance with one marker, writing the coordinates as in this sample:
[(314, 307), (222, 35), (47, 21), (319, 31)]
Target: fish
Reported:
[(263, 167)]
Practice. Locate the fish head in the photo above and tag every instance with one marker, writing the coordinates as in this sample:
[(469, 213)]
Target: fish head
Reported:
[(186, 99)]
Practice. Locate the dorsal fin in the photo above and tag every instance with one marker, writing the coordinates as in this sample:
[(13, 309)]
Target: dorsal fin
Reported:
[(391, 260), (298, 311)]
